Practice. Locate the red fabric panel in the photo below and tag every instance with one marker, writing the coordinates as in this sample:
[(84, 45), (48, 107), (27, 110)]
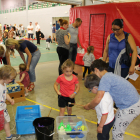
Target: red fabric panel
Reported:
[(96, 34), (129, 12)]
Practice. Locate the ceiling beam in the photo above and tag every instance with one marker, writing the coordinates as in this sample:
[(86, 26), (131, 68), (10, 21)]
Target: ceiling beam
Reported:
[(70, 2)]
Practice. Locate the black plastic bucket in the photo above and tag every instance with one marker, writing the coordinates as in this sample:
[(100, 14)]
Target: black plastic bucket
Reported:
[(44, 128)]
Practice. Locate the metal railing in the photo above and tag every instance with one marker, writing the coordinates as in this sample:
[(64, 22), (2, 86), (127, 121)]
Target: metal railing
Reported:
[(32, 7)]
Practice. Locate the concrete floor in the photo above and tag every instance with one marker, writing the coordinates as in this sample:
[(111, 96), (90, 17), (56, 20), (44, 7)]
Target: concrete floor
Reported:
[(44, 93)]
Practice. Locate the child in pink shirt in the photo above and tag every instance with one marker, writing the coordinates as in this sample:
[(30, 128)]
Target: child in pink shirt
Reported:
[(69, 86)]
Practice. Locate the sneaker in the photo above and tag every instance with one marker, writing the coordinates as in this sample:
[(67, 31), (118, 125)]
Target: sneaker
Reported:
[(14, 137), (83, 78), (26, 94), (48, 48)]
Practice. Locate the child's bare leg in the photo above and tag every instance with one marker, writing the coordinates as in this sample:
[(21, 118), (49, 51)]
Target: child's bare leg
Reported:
[(62, 110), (26, 91), (13, 55), (7, 129), (69, 110)]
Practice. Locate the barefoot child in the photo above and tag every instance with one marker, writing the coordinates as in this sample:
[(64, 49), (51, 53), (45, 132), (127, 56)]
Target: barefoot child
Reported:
[(104, 110), (69, 86), (24, 78), (7, 74)]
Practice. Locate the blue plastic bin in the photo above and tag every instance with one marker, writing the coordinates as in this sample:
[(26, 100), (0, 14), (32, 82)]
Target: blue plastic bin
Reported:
[(25, 115)]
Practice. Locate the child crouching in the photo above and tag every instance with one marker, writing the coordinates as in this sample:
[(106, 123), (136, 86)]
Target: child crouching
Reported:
[(104, 110)]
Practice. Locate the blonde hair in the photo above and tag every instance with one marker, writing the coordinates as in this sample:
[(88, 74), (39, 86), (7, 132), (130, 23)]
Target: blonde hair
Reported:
[(11, 41), (1, 50), (90, 49), (7, 72), (67, 63), (22, 67)]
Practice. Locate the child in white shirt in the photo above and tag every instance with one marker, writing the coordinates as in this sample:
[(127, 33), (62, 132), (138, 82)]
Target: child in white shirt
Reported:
[(7, 74), (104, 110)]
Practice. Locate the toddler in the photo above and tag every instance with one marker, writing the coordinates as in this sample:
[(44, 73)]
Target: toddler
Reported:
[(48, 40), (24, 78), (104, 110), (69, 86), (7, 74), (88, 59)]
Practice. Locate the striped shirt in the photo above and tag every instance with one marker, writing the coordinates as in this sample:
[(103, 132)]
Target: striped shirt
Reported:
[(60, 38)]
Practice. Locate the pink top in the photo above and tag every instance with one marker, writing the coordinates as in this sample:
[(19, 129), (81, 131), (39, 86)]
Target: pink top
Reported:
[(67, 87), (26, 79)]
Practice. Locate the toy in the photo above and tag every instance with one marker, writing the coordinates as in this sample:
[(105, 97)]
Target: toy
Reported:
[(82, 128), (78, 124), (73, 136), (62, 129), (61, 124), (81, 135), (40, 125), (68, 127)]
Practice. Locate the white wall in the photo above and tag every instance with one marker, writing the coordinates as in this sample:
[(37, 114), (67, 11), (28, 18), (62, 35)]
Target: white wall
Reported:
[(10, 4), (42, 16), (88, 2)]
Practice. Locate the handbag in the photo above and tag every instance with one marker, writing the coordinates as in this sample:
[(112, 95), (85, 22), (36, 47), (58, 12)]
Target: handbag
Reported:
[(126, 58)]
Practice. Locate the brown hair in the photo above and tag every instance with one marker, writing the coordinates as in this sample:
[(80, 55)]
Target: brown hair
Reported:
[(5, 33), (1, 50), (22, 67), (60, 20), (78, 20), (91, 81), (90, 49), (67, 63), (7, 72), (64, 22)]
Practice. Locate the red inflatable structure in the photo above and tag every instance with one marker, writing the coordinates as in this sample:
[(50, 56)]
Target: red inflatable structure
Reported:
[(97, 20)]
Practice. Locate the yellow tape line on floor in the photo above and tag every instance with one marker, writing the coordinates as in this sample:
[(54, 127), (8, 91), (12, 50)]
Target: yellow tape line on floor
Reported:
[(85, 119)]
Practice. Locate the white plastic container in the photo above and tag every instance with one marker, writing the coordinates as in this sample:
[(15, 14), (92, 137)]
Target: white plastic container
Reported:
[(72, 121)]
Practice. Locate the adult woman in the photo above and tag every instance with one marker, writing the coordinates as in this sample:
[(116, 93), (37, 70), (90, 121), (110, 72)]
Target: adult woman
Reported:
[(115, 43), (63, 39), (33, 55)]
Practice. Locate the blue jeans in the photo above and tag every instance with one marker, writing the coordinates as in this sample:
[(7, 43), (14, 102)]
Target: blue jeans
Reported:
[(35, 58), (73, 51)]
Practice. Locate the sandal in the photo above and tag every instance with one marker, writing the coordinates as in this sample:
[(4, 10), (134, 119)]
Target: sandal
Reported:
[(31, 87)]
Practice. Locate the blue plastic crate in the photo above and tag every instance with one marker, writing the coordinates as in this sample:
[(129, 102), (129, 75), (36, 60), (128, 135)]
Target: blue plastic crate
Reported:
[(25, 115)]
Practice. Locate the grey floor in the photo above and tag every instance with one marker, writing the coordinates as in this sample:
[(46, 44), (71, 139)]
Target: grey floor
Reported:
[(46, 74)]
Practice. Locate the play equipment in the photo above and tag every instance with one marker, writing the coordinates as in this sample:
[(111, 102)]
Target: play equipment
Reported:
[(25, 115), (61, 124), (68, 128), (82, 128), (77, 123), (69, 103), (46, 132), (16, 92)]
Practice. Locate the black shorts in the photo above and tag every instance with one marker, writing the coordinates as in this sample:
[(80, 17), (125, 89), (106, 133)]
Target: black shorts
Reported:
[(30, 35), (63, 101)]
